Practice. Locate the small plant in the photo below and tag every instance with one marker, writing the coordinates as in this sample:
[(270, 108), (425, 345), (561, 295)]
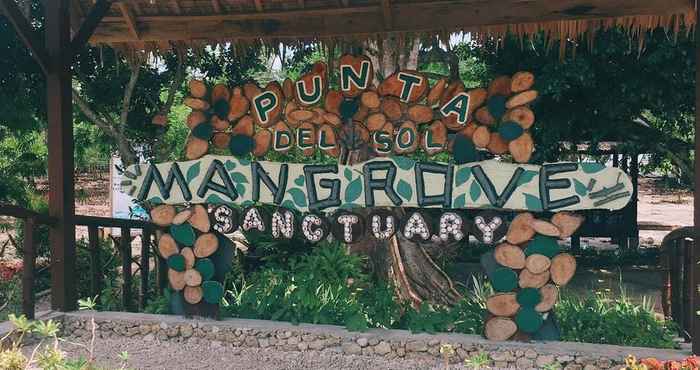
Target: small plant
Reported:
[(124, 357), (552, 366), (447, 351), (480, 360)]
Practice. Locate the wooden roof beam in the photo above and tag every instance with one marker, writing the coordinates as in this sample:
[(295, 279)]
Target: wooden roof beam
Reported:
[(130, 20), (386, 14), (216, 5), (176, 7), (26, 33), (93, 19), (259, 5)]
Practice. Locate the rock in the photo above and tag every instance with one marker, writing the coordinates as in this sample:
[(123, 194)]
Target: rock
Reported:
[(216, 344), (367, 351), (590, 367), (382, 348), (416, 347), (144, 329), (173, 332), (400, 352), (251, 341), (163, 326), (149, 338), (433, 342), (373, 342), (302, 346), (287, 335), (501, 365), (308, 337), (498, 356), (523, 363), (186, 331), (531, 354), (351, 348), (363, 342), (293, 341), (318, 344), (215, 329), (564, 359), (573, 367), (543, 360)]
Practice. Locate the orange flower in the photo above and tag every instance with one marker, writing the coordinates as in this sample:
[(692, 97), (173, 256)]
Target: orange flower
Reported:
[(673, 365), (652, 364), (693, 362)]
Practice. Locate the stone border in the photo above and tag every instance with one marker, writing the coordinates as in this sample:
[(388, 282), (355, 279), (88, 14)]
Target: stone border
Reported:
[(375, 342)]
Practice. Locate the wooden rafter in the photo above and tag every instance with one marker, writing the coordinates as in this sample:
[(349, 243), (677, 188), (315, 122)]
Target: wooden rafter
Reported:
[(130, 20), (82, 35), (25, 32), (176, 7), (259, 5), (216, 5), (386, 14)]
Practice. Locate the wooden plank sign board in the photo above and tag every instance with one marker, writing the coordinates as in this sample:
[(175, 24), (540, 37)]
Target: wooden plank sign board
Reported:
[(385, 182)]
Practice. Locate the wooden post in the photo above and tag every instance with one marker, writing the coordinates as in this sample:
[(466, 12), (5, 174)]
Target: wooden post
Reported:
[(634, 173), (125, 246), (60, 162), (694, 276), (95, 263), (28, 268), (145, 268)]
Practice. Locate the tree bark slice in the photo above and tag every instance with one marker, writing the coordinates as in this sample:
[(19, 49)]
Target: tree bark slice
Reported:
[(193, 277), (189, 257), (509, 255), (545, 228), (206, 245), (163, 215), (198, 88), (525, 97), (182, 216), (550, 295), (200, 218), (176, 279), (502, 304), (167, 246), (563, 268), (520, 229), (537, 263), (193, 294), (500, 328), (567, 222), (529, 280)]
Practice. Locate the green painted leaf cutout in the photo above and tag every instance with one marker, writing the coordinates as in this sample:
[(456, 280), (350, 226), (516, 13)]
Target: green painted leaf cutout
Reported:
[(243, 161), (212, 291), (404, 189), (475, 191), (156, 200), (460, 202), (240, 188), (348, 174), (532, 202), (463, 175), (215, 199), (230, 165), (526, 177), (287, 204), (591, 167), (580, 188), (404, 163), (192, 172), (299, 181), (183, 234), (298, 197), (239, 178), (348, 206), (353, 190)]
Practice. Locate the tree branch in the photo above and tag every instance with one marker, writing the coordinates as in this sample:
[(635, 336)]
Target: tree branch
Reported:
[(179, 79), (128, 94), (101, 122)]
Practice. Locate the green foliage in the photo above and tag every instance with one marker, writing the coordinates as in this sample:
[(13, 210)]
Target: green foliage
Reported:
[(478, 361), (10, 296)]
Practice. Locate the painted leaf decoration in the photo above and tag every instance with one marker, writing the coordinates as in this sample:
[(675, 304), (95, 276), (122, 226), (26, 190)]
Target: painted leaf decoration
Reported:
[(348, 174), (348, 206), (239, 178), (526, 177), (298, 196), (299, 181), (215, 199), (247, 203), (580, 188), (404, 190), (230, 165), (475, 191), (192, 172), (156, 200), (243, 161), (240, 188), (353, 190), (532, 202), (463, 175), (591, 167), (288, 204), (460, 202), (510, 131), (404, 163)]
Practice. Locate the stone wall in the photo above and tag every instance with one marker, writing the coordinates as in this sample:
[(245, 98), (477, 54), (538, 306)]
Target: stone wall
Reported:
[(390, 343)]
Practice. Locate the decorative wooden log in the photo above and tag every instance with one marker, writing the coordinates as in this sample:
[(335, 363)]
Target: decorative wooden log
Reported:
[(520, 229), (213, 291), (282, 137), (356, 63), (525, 97), (306, 138), (206, 245), (528, 320), (275, 87), (420, 113), (332, 119), (529, 280), (328, 140), (542, 244), (192, 294), (238, 105), (361, 114), (262, 142), (496, 144), (484, 116), (521, 115), (563, 268), (376, 121), (176, 262), (196, 148), (545, 228), (195, 118), (522, 81), (188, 254), (301, 115), (509, 255), (370, 99), (406, 139), (198, 88), (176, 279), (567, 223), (436, 92), (167, 246), (288, 109), (500, 86), (435, 138), (288, 89), (221, 140), (550, 295), (220, 92), (521, 148), (383, 140), (200, 218), (219, 124), (391, 107), (477, 97), (251, 90), (468, 130), (244, 126), (502, 304), (271, 115), (537, 263), (163, 215), (452, 89), (481, 137), (318, 119), (394, 86), (193, 277), (196, 103), (319, 69), (500, 328), (529, 297), (332, 101)]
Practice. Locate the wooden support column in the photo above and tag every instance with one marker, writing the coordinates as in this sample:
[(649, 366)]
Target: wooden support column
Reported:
[(694, 254), (28, 268), (60, 162)]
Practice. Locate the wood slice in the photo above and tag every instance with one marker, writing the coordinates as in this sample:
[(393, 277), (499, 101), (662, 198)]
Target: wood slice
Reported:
[(238, 105), (537, 263), (167, 246), (200, 218), (282, 137), (193, 277), (393, 86), (332, 101), (436, 92), (182, 216), (176, 279), (481, 137), (205, 267), (189, 257), (528, 320), (468, 130), (332, 119), (521, 148), (220, 92), (522, 81), (251, 90), (484, 116), (520, 229), (510, 255), (391, 107), (198, 88), (502, 304), (301, 115), (275, 87), (452, 89), (376, 121), (306, 138), (262, 142), (356, 62), (529, 280), (288, 109), (206, 245), (500, 328), (406, 139), (370, 99), (567, 223), (318, 69), (244, 126), (219, 124), (195, 118), (196, 148), (522, 115), (163, 215), (500, 86), (545, 228), (550, 295), (496, 144), (272, 115), (477, 98), (420, 113), (563, 268), (288, 89), (383, 140), (525, 97), (318, 119), (435, 138), (196, 103), (361, 114), (328, 140), (193, 294)]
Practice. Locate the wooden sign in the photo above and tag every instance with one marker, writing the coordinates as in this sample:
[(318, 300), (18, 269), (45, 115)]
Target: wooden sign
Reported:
[(385, 182)]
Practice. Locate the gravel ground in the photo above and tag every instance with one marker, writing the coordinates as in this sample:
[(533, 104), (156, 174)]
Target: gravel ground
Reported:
[(170, 355)]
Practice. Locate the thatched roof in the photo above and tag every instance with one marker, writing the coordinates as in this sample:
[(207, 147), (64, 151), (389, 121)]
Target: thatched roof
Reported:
[(162, 24)]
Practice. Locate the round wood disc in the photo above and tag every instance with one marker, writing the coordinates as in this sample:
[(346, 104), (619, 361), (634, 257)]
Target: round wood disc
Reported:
[(193, 294), (193, 277), (509, 255), (163, 215), (563, 268), (176, 279), (167, 246), (529, 280), (500, 328), (503, 304), (545, 228), (537, 263), (567, 223), (206, 245), (182, 216), (520, 229), (550, 295), (200, 218)]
